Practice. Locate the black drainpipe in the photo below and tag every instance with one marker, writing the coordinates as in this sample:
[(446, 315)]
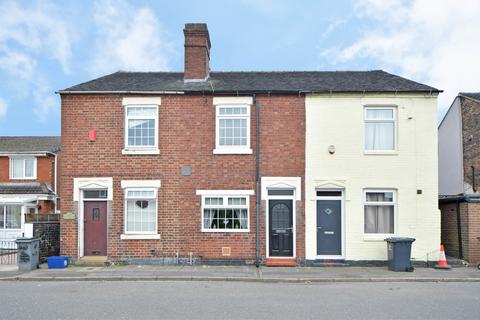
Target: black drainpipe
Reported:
[(257, 181), (474, 185), (459, 232)]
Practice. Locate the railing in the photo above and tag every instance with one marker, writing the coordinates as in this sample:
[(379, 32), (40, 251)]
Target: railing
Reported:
[(50, 217), (8, 252)]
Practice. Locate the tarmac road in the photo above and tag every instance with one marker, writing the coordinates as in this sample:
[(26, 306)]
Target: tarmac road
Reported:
[(238, 300)]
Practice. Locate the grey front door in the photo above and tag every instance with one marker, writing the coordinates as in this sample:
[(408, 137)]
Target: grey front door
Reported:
[(329, 227), (281, 228)]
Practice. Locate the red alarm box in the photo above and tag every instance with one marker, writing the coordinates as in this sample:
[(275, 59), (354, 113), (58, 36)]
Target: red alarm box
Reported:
[(92, 135)]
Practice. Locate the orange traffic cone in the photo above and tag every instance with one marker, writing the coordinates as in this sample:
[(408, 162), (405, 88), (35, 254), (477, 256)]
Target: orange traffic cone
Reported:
[(442, 260)]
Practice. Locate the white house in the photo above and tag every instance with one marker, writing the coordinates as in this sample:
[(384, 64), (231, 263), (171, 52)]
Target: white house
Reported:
[(371, 173)]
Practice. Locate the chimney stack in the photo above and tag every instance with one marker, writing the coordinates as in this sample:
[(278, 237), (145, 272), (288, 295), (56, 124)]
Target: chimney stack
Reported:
[(197, 52)]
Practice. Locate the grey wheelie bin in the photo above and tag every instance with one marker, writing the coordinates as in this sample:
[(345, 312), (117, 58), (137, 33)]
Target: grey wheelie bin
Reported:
[(399, 250)]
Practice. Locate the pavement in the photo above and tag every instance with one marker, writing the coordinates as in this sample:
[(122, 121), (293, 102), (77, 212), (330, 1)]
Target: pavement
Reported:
[(239, 273)]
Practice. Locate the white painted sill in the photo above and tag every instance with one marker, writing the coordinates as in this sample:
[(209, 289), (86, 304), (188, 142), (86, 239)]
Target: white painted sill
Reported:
[(226, 230), (139, 236), (140, 151), (381, 153), (377, 237), (232, 151)]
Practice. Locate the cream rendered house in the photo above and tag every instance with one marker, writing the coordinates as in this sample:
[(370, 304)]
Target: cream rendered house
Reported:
[(371, 173)]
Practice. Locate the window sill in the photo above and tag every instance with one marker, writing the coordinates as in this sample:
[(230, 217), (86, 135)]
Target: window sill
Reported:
[(225, 230), (232, 151), (381, 153), (140, 151), (377, 237), (139, 236)]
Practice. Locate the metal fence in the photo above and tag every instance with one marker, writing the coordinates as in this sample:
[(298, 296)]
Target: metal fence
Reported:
[(8, 252)]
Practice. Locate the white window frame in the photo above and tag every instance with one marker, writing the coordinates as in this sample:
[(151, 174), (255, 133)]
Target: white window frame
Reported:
[(232, 149), (394, 120), (128, 149), (225, 205), (126, 234), (34, 177), (380, 236)]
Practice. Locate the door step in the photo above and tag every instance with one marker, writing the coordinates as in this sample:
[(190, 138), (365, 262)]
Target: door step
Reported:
[(92, 261), (281, 262), (329, 263)]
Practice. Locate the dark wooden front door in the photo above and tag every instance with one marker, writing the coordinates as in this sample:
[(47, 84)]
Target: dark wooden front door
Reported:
[(95, 226), (329, 227), (281, 228)]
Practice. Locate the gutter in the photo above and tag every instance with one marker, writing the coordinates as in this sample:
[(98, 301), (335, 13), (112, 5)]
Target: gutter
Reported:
[(118, 92), (249, 92), (257, 181)]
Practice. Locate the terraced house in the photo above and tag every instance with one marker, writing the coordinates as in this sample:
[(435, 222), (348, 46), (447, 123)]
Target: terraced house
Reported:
[(28, 181), (242, 167)]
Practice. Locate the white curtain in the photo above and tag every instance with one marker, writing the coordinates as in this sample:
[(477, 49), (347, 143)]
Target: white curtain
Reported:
[(379, 136), (29, 167), (17, 168), (208, 218), (13, 217), (379, 219)]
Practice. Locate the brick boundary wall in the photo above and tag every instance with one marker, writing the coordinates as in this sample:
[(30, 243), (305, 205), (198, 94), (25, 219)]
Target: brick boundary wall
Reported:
[(49, 235)]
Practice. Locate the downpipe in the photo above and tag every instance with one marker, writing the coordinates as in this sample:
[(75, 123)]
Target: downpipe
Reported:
[(257, 181)]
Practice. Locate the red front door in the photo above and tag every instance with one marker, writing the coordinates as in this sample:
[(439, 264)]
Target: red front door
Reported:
[(95, 226)]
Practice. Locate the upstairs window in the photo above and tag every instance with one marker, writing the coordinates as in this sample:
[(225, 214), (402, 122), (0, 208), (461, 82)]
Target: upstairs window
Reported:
[(141, 127), (380, 129), (233, 129), (23, 168)]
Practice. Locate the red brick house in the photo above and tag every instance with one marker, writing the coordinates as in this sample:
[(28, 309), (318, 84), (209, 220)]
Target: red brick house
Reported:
[(162, 167), (459, 169), (28, 181)]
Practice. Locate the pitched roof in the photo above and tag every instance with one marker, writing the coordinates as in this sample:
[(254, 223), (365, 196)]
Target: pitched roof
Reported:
[(29, 144), (25, 188), (473, 95), (248, 82)]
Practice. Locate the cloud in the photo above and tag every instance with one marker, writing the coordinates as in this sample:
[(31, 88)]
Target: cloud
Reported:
[(128, 38), (46, 103), (431, 41), (332, 26), (30, 34), (3, 108), (27, 31)]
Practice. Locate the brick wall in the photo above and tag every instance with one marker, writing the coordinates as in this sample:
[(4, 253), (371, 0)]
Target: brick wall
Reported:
[(470, 228), (49, 235), (45, 170), (471, 139), (472, 236), (186, 137)]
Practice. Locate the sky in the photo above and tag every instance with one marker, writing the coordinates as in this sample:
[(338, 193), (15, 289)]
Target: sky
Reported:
[(47, 46)]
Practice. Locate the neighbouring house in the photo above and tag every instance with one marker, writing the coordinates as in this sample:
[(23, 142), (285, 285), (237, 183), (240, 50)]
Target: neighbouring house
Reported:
[(28, 181), (242, 167), (459, 169)]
